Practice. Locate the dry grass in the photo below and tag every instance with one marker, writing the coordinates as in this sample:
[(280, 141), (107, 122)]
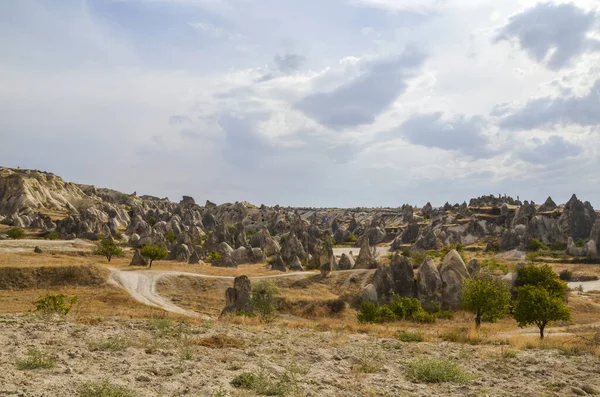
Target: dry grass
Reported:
[(219, 342)]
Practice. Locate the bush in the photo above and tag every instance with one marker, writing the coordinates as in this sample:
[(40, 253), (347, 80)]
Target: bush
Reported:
[(170, 237), (152, 221), (153, 252), (102, 389), (16, 233), (580, 243), (351, 238), (566, 275), (537, 245), (492, 265), (35, 359), (283, 240), (405, 308), (385, 314), (108, 248), (406, 336), (55, 304), (337, 306), (431, 370), (367, 313), (263, 299), (52, 236), (213, 256), (423, 317), (405, 252), (417, 258), (260, 383)]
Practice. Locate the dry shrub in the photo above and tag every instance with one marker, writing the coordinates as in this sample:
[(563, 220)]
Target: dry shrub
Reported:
[(220, 342)]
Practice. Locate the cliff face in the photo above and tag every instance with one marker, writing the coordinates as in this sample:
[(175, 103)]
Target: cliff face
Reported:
[(26, 190)]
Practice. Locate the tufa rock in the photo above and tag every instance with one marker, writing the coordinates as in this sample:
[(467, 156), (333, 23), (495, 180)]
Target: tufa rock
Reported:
[(452, 272), (366, 257), (474, 267), (429, 285), (369, 294), (138, 259), (238, 297), (346, 262), (37, 250)]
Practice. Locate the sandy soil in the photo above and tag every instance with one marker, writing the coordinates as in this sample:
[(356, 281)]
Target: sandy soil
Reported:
[(163, 358), (50, 245)]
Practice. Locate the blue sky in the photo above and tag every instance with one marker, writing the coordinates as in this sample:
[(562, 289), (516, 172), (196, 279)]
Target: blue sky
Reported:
[(317, 103)]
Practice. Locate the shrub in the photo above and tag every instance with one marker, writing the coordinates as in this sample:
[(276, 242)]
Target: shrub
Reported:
[(283, 239), (102, 389), (108, 248), (152, 221), (170, 237), (337, 306), (35, 359), (431, 370), (537, 245), (16, 233), (405, 252), (385, 314), (487, 298), (52, 236), (492, 265), (423, 317), (247, 380), (509, 353), (566, 275), (262, 384), (351, 238), (406, 336), (417, 258), (153, 252), (367, 313), (213, 256), (580, 243), (404, 308), (536, 305), (263, 299), (55, 304)]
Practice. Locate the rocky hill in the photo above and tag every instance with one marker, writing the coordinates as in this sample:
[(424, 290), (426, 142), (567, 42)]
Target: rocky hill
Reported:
[(287, 237)]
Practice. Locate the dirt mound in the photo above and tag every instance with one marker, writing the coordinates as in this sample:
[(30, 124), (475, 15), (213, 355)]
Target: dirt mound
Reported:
[(44, 277)]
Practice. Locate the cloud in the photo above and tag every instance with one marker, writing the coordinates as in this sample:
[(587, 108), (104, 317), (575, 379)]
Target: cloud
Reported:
[(284, 65), (461, 134), (552, 34), (179, 119), (549, 112), (216, 32), (361, 100), (554, 149)]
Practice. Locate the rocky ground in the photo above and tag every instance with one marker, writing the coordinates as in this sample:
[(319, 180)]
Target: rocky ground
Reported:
[(160, 357)]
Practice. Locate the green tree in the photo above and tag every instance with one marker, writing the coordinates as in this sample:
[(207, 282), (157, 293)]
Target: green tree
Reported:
[(263, 299), (109, 248), (487, 298), (541, 276), (153, 252), (16, 233), (536, 305)]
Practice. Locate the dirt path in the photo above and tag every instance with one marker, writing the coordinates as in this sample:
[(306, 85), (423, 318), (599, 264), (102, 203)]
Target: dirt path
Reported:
[(141, 285)]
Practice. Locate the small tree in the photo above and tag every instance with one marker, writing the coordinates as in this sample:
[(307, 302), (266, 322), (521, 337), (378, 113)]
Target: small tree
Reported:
[(109, 248), (263, 299), (541, 276), (487, 298), (153, 252), (16, 233), (536, 305)]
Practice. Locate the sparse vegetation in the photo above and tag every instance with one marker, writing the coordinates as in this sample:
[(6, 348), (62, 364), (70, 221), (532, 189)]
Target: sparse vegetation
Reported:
[(213, 256), (492, 265), (580, 243), (153, 253), (536, 245), (407, 336), (262, 384), (263, 299), (398, 309), (35, 359), (52, 236), (351, 238), (170, 237), (431, 370), (103, 389), (16, 233), (566, 275), (152, 221)]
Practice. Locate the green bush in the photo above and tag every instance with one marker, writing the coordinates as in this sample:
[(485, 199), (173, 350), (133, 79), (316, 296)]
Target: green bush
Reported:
[(262, 384), (283, 239), (406, 336), (263, 299), (153, 252), (170, 237), (213, 256), (537, 245), (423, 317), (247, 380), (432, 370), (103, 389), (404, 308), (487, 298), (16, 233), (351, 238), (35, 359), (55, 304), (367, 313), (580, 243), (385, 314), (417, 258), (405, 252), (566, 275), (492, 265), (52, 236)]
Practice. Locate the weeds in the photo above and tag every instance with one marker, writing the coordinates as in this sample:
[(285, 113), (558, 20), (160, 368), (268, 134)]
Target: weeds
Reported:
[(406, 336), (35, 359), (103, 389)]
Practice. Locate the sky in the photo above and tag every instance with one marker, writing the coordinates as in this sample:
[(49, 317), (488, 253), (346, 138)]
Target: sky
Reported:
[(337, 103)]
